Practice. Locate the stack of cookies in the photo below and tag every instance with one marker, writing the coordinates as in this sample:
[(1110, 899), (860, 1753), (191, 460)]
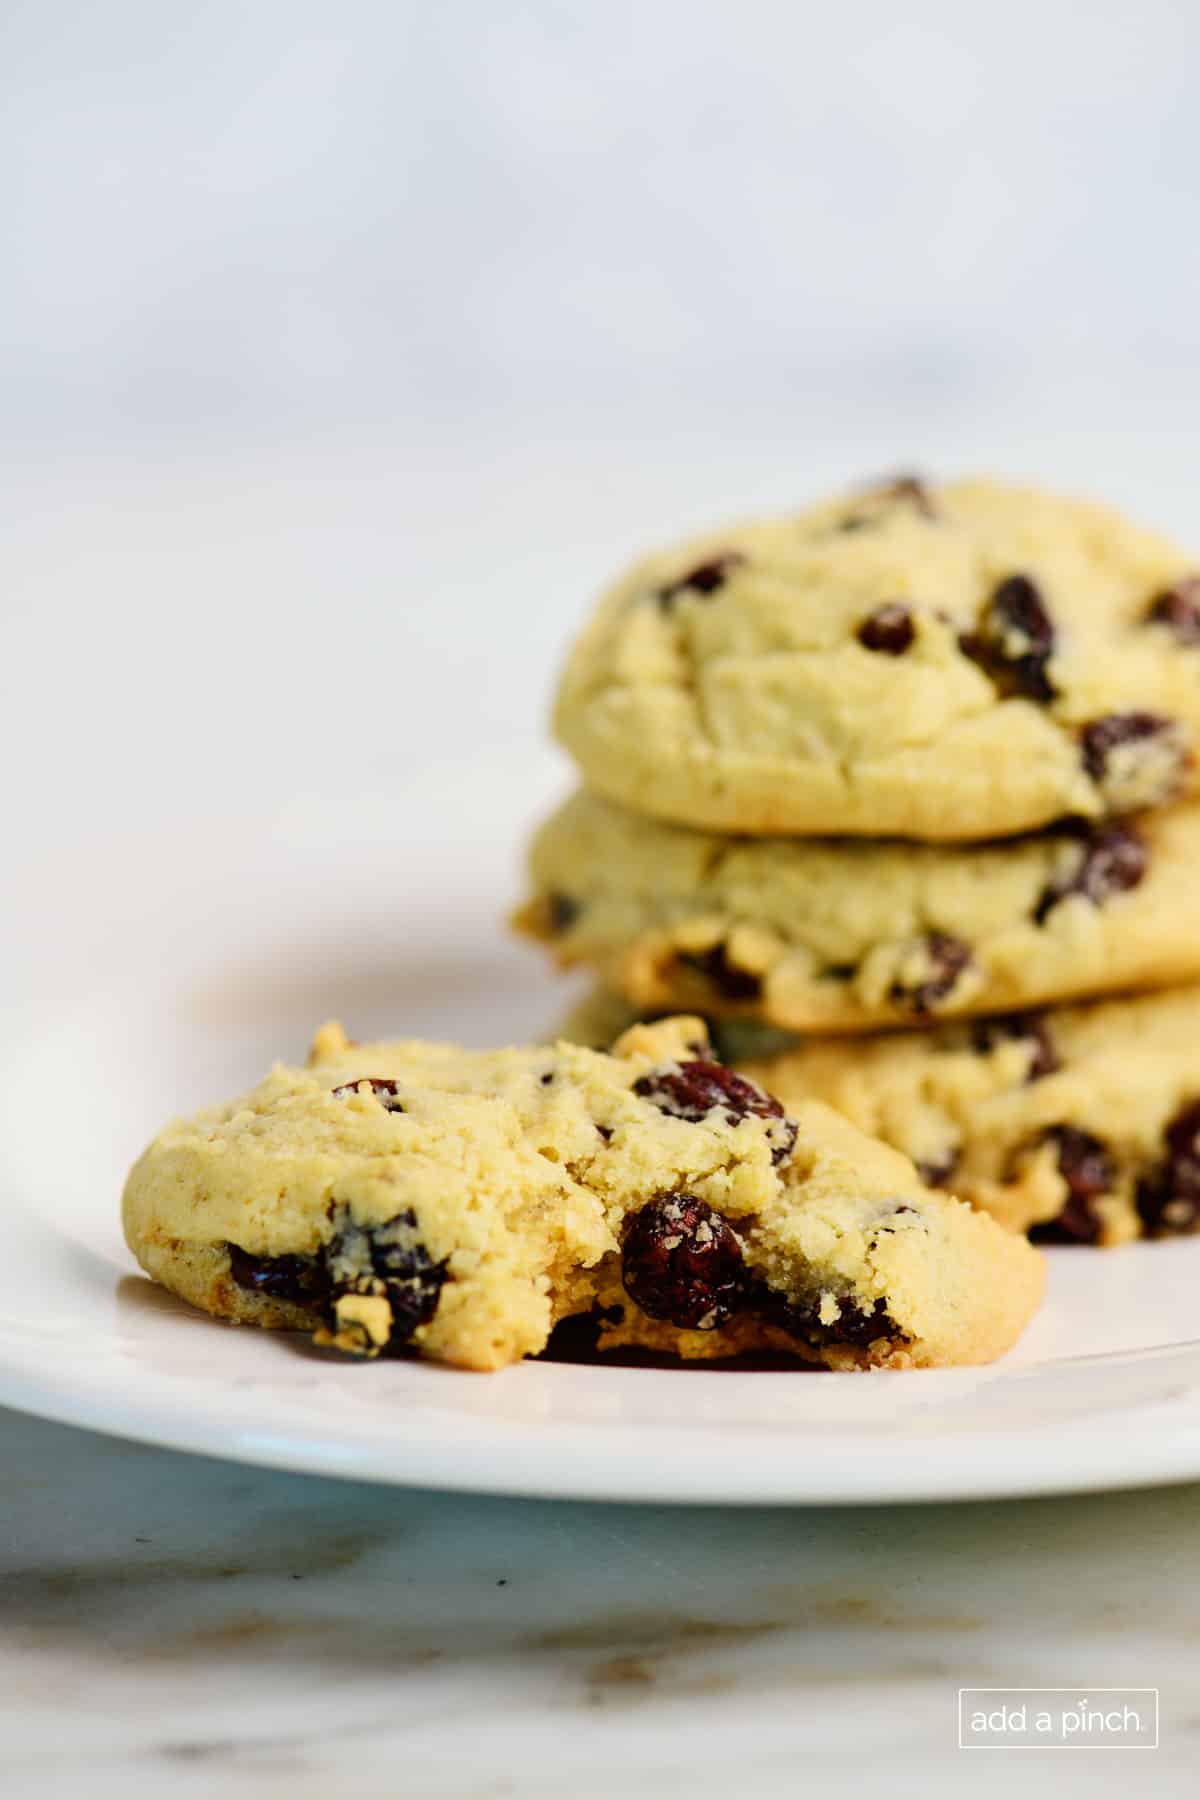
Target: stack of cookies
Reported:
[(899, 794)]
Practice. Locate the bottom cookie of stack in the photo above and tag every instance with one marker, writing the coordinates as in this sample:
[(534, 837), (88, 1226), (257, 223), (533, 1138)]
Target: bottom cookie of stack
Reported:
[(1079, 1124)]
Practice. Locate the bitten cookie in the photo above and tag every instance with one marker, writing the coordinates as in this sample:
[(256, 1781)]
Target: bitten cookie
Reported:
[(954, 662), (1080, 1124), (462, 1203), (835, 935)]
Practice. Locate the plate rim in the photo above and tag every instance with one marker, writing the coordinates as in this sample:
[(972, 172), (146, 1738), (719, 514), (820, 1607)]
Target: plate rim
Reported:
[(590, 1461)]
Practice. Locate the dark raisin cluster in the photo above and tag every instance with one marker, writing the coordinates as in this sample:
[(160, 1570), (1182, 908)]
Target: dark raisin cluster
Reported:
[(1168, 1199), (889, 629), (1149, 735), (1104, 735), (730, 981), (694, 1090), (1014, 640), (560, 912), (855, 1326), (388, 1261), (385, 1260), (1021, 1028), (1085, 1164), (705, 579), (948, 959), (935, 1172), (682, 1262), (1112, 859), (1178, 608), (302, 1280)]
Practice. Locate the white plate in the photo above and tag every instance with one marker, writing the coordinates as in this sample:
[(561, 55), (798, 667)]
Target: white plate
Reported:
[(207, 976)]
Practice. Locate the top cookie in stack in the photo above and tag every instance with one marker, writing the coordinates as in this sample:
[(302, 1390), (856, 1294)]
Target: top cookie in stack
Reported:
[(954, 663)]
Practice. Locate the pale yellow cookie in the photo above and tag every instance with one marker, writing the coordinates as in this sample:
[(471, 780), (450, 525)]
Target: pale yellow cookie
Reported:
[(963, 661)]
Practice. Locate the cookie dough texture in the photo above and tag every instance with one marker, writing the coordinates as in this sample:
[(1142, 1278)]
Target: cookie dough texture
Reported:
[(1076, 1121), (911, 661), (485, 1196), (834, 935), (1081, 1124)]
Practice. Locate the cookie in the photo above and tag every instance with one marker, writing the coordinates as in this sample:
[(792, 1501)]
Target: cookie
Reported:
[(835, 935), (462, 1203), (1081, 1125), (955, 662)]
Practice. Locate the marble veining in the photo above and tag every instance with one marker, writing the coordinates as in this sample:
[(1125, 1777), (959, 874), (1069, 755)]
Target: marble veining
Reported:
[(176, 1626)]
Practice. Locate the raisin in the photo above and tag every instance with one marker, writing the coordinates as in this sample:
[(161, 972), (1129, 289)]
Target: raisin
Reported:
[(387, 1261), (1168, 1201), (1178, 608), (1112, 859), (693, 1090), (385, 1090), (1160, 755), (1025, 1027), (936, 1171), (1088, 1170), (855, 1326), (725, 976), (1102, 736), (560, 912), (1015, 640), (682, 1262), (889, 629), (704, 579), (300, 1279), (946, 957)]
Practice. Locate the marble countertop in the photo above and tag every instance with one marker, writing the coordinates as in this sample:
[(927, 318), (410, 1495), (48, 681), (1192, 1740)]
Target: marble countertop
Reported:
[(175, 1626)]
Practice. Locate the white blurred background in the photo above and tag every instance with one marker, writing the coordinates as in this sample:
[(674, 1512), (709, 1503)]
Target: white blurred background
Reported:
[(346, 348)]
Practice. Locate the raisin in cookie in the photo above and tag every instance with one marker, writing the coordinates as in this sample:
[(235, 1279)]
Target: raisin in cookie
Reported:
[(827, 934), (463, 1203), (957, 662)]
